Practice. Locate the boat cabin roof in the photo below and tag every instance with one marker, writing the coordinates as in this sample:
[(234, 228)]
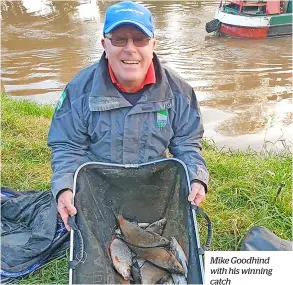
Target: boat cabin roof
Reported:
[(256, 8), (250, 3)]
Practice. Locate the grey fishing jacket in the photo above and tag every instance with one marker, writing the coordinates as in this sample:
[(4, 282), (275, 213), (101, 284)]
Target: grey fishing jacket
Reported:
[(94, 122)]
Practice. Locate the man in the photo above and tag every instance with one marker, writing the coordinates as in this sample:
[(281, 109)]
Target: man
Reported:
[(127, 108)]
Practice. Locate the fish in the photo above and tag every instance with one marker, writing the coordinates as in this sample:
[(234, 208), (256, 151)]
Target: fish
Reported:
[(151, 274), (136, 236), (160, 257), (158, 226), (178, 252), (121, 257)]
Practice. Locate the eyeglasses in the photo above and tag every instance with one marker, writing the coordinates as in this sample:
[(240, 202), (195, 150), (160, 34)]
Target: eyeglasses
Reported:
[(139, 41)]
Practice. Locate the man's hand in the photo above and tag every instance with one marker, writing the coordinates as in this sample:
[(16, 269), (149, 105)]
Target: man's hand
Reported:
[(65, 207), (197, 193)]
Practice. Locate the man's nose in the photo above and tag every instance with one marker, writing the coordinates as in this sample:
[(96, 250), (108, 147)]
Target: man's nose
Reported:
[(130, 47)]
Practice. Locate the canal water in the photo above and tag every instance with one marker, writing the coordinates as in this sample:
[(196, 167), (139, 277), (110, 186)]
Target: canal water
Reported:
[(244, 86)]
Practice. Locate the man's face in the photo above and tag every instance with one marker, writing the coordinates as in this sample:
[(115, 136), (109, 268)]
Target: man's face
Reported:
[(129, 63)]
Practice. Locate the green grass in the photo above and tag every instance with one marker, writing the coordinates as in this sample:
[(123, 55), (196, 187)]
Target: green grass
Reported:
[(25, 155), (241, 194)]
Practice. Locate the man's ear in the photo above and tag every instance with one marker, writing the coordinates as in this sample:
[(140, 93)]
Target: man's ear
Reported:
[(104, 46), (103, 43), (154, 44)]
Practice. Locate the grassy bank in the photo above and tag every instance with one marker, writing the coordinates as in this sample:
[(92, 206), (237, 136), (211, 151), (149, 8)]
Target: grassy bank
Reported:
[(241, 194)]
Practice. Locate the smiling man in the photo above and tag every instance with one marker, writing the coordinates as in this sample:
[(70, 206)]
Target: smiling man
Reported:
[(130, 53), (125, 109)]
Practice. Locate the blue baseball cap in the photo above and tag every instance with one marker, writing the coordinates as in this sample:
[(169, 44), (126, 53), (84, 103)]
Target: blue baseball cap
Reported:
[(129, 13)]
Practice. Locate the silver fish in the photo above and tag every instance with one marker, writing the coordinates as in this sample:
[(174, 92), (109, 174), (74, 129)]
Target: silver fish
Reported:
[(135, 235), (159, 256), (121, 257), (158, 226), (178, 252)]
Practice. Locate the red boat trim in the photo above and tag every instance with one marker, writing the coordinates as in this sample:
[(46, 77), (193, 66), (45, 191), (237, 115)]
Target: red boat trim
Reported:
[(240, 32)]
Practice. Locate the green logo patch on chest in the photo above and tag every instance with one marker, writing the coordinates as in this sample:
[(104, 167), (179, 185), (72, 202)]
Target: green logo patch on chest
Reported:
[(162, 118)]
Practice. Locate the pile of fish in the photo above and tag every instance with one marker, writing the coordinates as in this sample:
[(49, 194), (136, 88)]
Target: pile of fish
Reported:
[(141, 255)]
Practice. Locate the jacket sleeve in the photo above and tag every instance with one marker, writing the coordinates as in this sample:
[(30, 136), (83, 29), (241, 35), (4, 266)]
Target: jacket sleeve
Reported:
[(186, 142), (68, 140)]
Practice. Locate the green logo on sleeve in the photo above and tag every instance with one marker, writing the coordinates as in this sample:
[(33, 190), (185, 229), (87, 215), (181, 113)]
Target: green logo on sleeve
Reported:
[(162, 118), (61, 100)]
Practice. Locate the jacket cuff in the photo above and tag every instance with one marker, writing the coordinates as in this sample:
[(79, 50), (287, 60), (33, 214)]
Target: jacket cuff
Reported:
[(61, 191), (202, 183), (64, 181), (200, 174)]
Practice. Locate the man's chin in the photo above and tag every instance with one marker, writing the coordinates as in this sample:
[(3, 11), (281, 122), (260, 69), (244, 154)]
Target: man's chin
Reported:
[(132, 79)]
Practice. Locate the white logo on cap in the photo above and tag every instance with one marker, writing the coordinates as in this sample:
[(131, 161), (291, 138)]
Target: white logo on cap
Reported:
[(129, 10)]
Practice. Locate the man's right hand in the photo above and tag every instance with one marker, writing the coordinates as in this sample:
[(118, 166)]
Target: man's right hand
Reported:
[(65, 207)]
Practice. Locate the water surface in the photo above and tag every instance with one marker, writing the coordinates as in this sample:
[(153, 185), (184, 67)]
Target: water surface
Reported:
[(244, 86)]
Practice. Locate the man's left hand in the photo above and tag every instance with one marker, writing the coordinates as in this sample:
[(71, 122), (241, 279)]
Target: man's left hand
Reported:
[(197, 193)]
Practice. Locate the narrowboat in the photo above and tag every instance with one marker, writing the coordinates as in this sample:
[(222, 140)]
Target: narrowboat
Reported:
[(252, 19)]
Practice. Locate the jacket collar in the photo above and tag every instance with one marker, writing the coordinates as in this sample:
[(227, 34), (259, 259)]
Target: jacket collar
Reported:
[(149, 79)]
